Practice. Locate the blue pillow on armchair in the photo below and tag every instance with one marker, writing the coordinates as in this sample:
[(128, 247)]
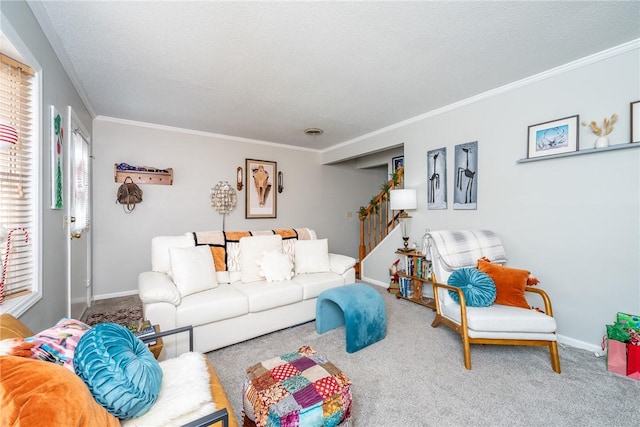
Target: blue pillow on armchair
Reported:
[(119, 369), (478, 287)]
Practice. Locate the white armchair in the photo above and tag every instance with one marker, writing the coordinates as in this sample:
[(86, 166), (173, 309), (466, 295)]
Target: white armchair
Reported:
[(496, 324)]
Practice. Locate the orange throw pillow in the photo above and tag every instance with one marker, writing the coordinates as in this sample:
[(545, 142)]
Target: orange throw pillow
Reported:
[(510, 283), (35, 392)]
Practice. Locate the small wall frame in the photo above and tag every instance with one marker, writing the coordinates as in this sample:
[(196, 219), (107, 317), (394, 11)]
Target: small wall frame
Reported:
[(553, 137)]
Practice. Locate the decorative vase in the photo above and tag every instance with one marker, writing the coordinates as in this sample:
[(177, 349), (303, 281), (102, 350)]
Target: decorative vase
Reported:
[(602, 142)]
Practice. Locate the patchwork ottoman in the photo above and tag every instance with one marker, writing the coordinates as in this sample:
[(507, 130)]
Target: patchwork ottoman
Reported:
[(359, 307), (302, 388)]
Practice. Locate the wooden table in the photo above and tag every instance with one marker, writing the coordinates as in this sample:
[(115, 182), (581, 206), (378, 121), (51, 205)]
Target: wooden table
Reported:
[(157, 347)]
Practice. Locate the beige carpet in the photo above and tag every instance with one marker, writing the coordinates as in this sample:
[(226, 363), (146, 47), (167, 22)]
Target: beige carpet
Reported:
[(416, 377)]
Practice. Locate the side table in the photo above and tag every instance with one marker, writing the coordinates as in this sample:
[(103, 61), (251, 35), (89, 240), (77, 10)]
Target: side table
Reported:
[(157, 347)]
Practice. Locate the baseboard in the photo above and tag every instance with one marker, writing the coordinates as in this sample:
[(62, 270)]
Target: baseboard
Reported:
[(374, 282), (595, 349), (115, 295)]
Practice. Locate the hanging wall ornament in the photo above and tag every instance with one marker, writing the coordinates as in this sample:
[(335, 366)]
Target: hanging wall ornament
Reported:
[(223, 198)]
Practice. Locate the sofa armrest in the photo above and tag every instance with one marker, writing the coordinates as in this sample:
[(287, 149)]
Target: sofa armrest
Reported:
[(341, 263), (157, 287)]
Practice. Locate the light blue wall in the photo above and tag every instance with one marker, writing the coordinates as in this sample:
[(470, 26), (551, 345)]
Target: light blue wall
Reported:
[(574, 222)]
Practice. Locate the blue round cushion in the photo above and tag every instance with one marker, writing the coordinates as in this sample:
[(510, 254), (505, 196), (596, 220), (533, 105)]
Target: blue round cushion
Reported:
[(478, 288), (119, 369)]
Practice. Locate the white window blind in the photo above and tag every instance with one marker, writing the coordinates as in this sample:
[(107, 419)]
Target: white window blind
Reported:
[(80, 188), (17, 195)]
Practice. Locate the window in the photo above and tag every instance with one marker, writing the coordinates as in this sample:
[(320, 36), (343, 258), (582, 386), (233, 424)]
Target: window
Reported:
[(80, 175), (19, 200)]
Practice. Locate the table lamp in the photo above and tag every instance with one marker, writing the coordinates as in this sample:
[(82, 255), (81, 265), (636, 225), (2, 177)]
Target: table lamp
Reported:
[(400, 201)]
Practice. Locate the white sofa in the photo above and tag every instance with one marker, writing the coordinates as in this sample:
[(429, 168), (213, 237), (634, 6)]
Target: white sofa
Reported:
[(239, 305)]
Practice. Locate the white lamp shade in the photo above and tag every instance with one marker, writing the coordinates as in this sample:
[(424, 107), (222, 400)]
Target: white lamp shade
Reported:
[(8, 136), (403, 199)]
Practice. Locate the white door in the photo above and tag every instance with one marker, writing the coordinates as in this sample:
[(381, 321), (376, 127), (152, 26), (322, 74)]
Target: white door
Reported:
[(78, 217)]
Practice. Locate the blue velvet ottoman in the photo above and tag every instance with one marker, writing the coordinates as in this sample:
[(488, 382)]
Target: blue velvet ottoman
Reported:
[(359, 307)]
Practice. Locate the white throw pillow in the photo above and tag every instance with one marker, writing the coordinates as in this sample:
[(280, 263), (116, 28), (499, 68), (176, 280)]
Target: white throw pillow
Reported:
[(251, 250), (275, 266), (193, 269), (312, 256)]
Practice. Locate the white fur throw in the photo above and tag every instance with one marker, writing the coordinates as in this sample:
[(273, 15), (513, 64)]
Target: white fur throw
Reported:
[(184, 396)]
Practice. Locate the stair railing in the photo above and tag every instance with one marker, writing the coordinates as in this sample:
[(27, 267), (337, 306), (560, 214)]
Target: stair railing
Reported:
[(377, 220)]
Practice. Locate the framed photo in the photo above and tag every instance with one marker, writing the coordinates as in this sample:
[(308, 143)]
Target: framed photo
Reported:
[(260, 193), (397, 163), (465, 192), (635, 121), (437, 179), (554, 137), (57, 164)]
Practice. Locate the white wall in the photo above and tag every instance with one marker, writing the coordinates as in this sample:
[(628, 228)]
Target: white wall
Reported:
[(57, 90), (574, 222), (316, 196)]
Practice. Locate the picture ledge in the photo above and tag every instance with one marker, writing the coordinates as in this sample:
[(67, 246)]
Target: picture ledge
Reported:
[(580, 152)]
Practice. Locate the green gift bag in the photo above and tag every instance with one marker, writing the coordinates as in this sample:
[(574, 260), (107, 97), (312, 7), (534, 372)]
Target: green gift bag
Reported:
[(631, 321)]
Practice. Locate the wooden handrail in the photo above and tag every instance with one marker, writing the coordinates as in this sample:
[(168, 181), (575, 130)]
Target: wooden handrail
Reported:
[(377, 220)]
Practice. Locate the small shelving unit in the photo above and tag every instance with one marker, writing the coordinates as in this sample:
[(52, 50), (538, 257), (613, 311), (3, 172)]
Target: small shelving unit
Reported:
[(414, 261), (142, 177)]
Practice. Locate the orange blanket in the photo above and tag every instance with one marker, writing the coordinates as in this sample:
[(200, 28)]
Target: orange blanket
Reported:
[(225, 245)]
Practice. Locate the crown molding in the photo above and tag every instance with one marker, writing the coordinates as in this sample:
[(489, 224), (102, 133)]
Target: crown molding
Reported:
[(202, 133), (579, 63)]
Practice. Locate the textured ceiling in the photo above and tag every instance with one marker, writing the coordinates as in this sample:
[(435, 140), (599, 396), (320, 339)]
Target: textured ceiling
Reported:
[(268, 70)]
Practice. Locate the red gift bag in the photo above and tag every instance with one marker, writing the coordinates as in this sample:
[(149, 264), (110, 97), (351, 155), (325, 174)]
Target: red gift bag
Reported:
[(617, 357), (633, 361)]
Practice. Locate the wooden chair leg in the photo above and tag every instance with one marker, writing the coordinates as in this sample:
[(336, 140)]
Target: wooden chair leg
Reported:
[(555, 357), (436, 321), (466, 350)]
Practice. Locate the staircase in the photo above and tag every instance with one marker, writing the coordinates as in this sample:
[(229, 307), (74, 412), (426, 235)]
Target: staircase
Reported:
[(377, 220)]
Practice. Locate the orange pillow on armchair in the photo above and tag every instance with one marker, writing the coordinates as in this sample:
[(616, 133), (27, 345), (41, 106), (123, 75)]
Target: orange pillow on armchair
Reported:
[(510, 283)]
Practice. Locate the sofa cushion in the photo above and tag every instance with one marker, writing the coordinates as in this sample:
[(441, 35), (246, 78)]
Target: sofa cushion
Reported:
[(223, 302), (510, 283), (119, 369), (160, 245), (314, 284), (264, 296), (275, 266), (35, 393), (192, 269), (477, 287), (251, 250), (502, 318), (312, 256)]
